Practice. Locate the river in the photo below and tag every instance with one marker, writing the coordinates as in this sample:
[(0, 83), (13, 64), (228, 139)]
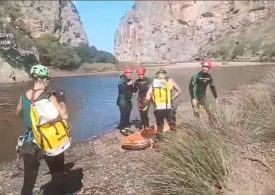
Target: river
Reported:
[(91, 101)]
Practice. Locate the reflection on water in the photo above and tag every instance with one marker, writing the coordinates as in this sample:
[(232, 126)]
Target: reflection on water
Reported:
[(91, 101), (9, 125)]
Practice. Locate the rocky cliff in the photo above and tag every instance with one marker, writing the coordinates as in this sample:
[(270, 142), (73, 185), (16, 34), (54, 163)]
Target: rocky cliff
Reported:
[(21, 22), (176, 31)]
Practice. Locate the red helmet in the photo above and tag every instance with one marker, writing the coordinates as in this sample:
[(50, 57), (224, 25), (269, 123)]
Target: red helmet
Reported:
[(140, 71), (127, 69), (207, 63)]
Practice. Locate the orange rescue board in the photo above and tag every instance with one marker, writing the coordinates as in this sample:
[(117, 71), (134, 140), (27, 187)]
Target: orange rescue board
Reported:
[(139, 141)]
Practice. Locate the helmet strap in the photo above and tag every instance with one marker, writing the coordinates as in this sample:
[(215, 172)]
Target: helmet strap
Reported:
[(44, 81)]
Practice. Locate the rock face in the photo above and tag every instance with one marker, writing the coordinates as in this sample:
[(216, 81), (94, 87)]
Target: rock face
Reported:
[(59, 18), (23, 21), (175, 31)]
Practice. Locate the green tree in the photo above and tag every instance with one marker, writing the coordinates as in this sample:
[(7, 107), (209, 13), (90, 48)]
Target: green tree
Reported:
[(86, 53), (15, 59), (64, 57), (104, 57), (52, 53)]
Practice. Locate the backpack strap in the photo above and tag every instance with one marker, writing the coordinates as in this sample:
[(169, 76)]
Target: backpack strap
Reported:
[(45, 95)]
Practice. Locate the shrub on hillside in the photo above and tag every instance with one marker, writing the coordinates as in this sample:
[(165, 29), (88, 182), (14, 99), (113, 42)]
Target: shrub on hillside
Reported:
[(104, 57), (268, 53), (52, 53), (86, 53), (89, 54), (256, 103), (191, 161), (238, 51), (98, 67), (194, 159), (65, 58), (224, 52), (15, 59), (252, 111), (48, 39)]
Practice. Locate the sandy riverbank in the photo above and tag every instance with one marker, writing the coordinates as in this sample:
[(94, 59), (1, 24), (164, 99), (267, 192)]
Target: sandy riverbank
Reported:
[(66, 73), (60, 73), (100, 167)]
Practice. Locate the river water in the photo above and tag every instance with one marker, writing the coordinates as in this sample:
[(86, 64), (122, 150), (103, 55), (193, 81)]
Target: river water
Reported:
[(91, 101)]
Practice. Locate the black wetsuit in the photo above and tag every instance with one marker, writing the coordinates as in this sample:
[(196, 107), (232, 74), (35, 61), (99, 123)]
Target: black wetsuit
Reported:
[(124, 101), (142, 86)]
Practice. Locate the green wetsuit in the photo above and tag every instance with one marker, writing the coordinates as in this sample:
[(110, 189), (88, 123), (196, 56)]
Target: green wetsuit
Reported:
[(197, 89), (198, 85)]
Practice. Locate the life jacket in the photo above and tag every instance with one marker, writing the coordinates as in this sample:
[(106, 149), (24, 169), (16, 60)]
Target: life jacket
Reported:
[(50, 133), (162, 94)]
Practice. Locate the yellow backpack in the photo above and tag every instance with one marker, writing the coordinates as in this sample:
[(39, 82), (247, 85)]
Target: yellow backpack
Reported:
[(50, 133)]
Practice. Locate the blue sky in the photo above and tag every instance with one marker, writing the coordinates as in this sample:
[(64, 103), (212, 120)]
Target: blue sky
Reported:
[(101, 19)]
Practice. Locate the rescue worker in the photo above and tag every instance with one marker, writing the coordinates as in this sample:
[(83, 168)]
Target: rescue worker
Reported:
[(12, 76), (197, 89), (162, 94), (124, 100), (141, 86), (29, 150)]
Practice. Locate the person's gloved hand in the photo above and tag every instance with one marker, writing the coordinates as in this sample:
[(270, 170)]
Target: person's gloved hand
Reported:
[(194, 102), (143, 105), (144, 108)]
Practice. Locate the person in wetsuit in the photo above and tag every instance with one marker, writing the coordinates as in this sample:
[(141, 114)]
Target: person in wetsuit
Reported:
[(141, 86), (124, 100), (197, 89)]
